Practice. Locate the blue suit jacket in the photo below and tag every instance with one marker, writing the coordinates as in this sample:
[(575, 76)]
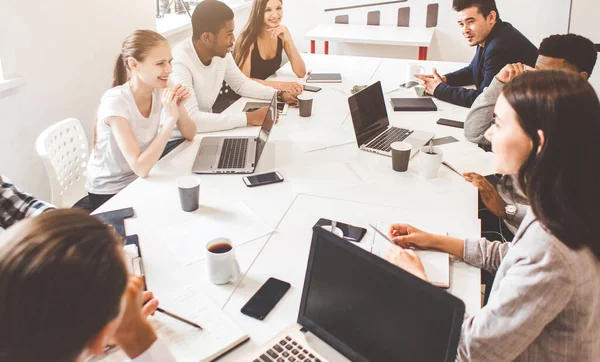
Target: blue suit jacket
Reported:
[(504, 45)]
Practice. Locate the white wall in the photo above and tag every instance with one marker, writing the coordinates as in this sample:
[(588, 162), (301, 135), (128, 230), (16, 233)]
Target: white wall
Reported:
[(534, 18), (65, 50)]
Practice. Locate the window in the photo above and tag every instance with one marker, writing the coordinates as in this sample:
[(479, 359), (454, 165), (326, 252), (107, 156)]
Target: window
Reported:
[(172, 15)]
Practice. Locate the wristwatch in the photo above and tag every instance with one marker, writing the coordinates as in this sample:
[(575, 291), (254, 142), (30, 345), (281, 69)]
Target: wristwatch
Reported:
[(510, 210)]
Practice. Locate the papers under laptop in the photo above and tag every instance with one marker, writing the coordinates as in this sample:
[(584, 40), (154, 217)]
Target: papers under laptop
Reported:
[(358, 307), (234, 154), (372, 127)]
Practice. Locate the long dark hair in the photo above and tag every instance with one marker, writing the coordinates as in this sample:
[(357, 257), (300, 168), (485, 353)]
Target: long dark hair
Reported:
[(62, 277), (562, 180), (251, 31)]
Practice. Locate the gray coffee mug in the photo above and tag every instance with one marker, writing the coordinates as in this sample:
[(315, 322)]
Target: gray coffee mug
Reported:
[(305, 102), (189, 192), (400, 155)]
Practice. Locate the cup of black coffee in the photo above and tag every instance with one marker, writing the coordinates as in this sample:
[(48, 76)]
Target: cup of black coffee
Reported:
[(221, 265)]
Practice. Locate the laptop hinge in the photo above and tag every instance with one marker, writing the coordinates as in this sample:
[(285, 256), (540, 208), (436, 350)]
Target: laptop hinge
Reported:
[(304, 330)]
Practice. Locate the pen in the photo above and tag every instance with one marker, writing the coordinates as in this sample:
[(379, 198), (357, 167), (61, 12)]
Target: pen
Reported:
[(140, 271), (159, 309), (382, 234), (452, 168)]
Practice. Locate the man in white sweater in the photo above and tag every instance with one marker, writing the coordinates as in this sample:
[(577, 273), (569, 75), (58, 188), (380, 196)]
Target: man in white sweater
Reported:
[(204, 61)]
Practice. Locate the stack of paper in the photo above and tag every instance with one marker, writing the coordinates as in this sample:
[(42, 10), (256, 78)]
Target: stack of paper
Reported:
[(469, 160), (237, 223)]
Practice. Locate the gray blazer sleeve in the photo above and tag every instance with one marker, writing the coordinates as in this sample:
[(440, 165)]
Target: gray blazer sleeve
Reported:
[(481, 115), (533, 289)]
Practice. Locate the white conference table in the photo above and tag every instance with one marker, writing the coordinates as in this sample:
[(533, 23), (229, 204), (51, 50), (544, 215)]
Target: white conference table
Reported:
[(371, 34), (340, 172)]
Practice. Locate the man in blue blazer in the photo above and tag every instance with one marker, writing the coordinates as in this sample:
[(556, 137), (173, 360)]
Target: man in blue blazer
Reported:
[(498, 44)]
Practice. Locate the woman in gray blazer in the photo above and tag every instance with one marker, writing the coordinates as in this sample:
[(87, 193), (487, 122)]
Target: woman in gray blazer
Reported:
[(545, 300)]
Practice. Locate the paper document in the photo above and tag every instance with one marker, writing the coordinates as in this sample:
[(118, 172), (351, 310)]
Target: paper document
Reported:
[(436, 263), (469, 160), (318, 139), (237, 223), (189, 344)]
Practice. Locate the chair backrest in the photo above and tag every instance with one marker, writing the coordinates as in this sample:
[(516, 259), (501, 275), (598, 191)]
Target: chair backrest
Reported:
[(64, 150)]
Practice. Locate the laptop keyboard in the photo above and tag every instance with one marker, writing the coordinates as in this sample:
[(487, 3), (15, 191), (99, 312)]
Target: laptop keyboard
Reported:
[(287, 350), (233, 153), (391, 135)]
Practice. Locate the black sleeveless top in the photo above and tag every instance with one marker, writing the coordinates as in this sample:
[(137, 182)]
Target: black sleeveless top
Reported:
[(261, 68)]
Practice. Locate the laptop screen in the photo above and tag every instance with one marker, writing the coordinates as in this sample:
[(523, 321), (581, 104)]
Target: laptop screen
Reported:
[(370, 310), (265, 130), (368, 112)]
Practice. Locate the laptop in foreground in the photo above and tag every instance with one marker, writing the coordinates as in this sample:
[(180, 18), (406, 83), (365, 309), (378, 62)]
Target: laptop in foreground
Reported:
[(356, 306), (228, 154), (372, 125)]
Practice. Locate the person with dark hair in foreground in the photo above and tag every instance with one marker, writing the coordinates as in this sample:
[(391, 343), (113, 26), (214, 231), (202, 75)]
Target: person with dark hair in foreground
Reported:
[(498, 43), (204, 61), (545, 300), (65, 293)]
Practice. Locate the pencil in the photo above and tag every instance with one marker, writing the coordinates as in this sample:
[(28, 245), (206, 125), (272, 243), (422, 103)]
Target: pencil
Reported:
[(179, 318)]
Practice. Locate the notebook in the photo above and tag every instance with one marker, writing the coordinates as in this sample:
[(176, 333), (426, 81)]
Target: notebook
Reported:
[(324, 78), (436, 263), (413, 104), (220, 333)]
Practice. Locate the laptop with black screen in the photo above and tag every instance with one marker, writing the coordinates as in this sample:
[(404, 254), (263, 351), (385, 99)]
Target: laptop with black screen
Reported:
[(356, 306)]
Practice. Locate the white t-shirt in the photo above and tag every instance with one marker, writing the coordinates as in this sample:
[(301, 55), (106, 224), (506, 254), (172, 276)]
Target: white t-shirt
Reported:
[(107, 171)]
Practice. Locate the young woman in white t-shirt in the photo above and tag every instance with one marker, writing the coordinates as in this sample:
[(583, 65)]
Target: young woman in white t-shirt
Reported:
[(127, 139)]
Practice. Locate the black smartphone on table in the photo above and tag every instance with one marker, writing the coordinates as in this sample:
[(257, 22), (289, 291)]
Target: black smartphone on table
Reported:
[(351, 232), (263, 179), (265, 299), (451, 123), (312, 88)]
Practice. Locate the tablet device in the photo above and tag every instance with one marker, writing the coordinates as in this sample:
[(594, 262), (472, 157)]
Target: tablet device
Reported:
[(324, 78)]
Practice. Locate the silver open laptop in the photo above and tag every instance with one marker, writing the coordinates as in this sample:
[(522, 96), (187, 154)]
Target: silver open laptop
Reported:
[(234, 154), (372, 126), (357, 307)]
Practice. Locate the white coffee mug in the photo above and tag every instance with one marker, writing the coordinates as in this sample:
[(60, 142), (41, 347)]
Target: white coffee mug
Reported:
[(221, 265), (412, 69), (430, 163)]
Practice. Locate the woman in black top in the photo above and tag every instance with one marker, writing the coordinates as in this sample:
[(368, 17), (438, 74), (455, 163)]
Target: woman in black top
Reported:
[(258, 51)]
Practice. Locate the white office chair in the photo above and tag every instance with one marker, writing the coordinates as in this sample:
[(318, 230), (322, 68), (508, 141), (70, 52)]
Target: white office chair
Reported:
[(64, 150)]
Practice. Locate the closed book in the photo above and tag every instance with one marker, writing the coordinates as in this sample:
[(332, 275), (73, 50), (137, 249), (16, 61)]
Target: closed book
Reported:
[(413, 104)]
